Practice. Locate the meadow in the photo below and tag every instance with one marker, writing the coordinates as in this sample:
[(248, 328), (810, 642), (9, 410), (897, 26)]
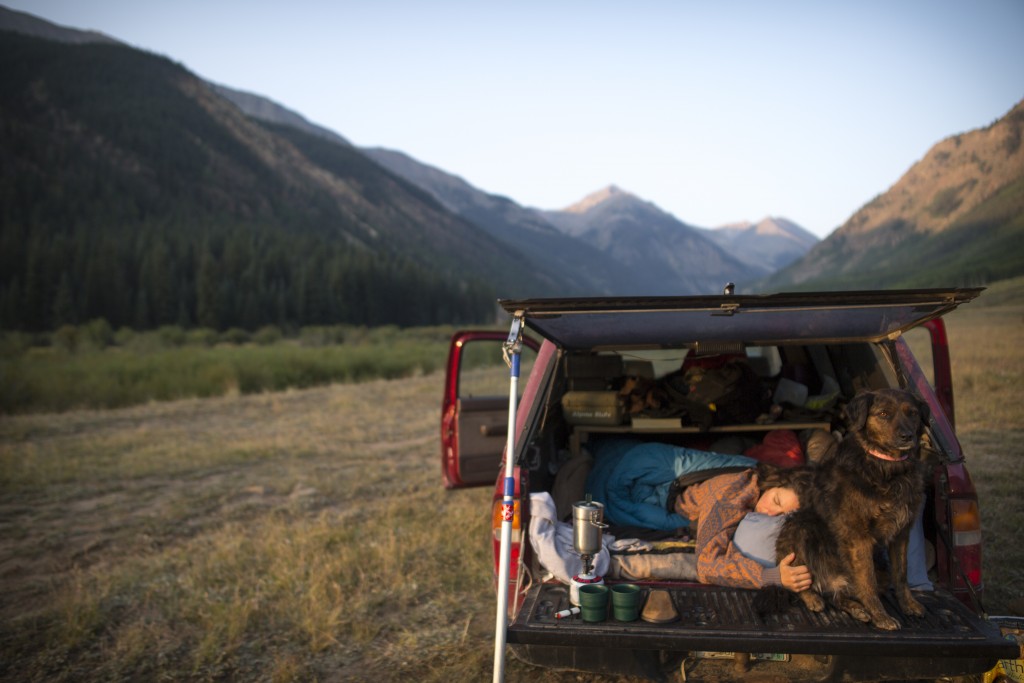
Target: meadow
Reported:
[(303, 534), (89, 366)]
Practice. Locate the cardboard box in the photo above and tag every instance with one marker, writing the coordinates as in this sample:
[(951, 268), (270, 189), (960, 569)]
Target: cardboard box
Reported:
[(598, 408)]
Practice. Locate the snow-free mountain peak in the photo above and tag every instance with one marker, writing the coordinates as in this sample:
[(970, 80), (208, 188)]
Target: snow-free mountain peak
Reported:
[(773, 226), (597, 198), (772, 241)]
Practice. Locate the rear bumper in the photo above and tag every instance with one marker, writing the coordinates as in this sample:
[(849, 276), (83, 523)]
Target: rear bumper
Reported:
[(948, 641), (661, 665)]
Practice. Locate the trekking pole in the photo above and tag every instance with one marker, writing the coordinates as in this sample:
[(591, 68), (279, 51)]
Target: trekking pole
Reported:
[(511, 351)]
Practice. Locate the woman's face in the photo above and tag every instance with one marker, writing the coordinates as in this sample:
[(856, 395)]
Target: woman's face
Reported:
[(777, 501)]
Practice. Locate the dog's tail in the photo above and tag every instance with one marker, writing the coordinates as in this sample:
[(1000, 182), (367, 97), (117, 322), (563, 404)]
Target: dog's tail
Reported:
[(772, 600)]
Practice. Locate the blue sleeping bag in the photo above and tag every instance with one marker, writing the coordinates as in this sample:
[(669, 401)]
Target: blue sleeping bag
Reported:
[(631, 478)]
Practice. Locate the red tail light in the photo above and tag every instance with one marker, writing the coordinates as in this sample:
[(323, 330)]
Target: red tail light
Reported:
[(966, 536), (517, 537), (958, 522)]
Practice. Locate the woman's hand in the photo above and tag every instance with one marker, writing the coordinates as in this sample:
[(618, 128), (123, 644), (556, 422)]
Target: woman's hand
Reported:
[(796, 578)]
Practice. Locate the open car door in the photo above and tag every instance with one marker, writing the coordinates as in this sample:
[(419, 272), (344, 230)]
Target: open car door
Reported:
[(474, 413)]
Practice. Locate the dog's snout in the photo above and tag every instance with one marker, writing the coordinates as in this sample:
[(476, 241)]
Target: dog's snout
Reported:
[(906, 431)]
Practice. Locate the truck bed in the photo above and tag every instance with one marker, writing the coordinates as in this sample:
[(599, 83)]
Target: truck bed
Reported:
[(715, 620)]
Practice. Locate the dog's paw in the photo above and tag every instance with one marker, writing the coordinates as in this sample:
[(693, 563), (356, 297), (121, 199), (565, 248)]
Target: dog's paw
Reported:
[(912, 607), (855, 610), (886, 623), (812, 601)]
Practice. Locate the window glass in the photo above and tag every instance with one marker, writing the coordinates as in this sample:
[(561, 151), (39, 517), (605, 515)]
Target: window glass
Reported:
[(484, 372)]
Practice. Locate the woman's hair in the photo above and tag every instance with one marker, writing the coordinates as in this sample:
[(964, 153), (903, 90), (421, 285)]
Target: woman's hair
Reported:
[(771, 476)]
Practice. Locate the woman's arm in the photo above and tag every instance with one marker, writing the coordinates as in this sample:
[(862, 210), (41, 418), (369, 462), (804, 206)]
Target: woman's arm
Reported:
[(719, 562), (720, 504)]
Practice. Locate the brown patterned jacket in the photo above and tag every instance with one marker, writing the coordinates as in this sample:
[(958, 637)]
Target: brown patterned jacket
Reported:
[(716, 507)]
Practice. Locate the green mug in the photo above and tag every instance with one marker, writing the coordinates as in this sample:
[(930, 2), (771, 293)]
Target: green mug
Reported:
[(594, 602), (626, 601)]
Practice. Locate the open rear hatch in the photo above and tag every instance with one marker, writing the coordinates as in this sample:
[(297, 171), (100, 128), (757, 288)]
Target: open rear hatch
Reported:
[(595, 323), (717, 619)]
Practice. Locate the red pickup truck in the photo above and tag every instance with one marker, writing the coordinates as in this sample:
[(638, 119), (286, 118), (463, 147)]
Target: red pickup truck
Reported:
[(833, 344)]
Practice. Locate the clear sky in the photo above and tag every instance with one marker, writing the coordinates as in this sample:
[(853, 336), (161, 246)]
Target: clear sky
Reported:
[(716, 111)]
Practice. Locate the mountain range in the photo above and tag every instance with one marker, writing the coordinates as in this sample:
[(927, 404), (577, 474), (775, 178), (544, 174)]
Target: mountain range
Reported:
[(151, 149)]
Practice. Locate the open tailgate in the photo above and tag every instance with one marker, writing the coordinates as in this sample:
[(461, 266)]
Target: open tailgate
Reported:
[(719, 619)]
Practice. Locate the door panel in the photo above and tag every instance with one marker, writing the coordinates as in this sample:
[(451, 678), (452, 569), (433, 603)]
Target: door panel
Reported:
[(482, 433)]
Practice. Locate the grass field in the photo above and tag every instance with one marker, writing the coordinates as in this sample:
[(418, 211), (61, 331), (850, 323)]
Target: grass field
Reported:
[(70, 369), (304, 535)]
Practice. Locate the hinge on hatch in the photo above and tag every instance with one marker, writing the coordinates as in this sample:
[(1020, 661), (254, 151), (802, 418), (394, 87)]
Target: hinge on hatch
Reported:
[(514, 344), (727, 309)]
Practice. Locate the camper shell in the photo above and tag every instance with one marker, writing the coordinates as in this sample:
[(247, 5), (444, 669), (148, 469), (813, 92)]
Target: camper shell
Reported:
[(833, 344)]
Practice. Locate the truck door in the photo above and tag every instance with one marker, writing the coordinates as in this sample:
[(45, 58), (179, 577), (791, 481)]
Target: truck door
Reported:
[(474, 411)]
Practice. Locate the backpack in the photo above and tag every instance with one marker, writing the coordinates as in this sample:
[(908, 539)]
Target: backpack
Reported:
[(726, 393)]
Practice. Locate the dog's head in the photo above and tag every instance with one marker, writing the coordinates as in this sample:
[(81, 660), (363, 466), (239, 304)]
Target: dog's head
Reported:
[(888, 422)]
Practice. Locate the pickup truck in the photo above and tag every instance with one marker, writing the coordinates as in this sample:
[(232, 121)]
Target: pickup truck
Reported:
[(833, 344)]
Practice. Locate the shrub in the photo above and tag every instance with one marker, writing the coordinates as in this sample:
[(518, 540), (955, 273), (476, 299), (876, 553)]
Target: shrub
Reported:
[(202, 336), (124, 336), (387, 334), (171, 336), (322, 335), (97, 333), (235, 335), (66, 338), (265, 336), (14, 344)]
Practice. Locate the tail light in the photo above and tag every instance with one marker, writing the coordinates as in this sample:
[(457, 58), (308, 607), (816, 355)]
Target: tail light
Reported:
[(517, 537), (965, 528), (958, 521)]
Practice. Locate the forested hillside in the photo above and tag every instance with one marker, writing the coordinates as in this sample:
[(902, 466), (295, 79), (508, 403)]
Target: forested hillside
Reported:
[(955, 218), (130, 191)]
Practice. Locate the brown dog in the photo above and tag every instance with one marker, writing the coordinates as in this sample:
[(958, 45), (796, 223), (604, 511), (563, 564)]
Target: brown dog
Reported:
[(867, 493)]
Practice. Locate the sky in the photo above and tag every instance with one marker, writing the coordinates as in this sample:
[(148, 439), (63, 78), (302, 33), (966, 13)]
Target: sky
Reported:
[(715, 111)]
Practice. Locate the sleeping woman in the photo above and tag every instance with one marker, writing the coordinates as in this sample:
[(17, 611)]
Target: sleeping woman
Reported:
[(717, 507)]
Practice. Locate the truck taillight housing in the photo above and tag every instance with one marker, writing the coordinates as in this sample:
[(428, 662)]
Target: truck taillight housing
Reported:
[(517, 537), (965, 528), (959, 534), (496, 520)]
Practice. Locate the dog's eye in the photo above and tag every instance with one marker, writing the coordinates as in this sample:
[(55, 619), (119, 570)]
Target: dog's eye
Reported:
[(883, 414)]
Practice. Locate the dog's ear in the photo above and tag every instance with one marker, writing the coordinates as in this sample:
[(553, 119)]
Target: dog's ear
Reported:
[(857, 410)]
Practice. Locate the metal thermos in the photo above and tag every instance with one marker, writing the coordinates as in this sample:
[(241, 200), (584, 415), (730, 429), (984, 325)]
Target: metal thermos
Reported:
[(587, 525)]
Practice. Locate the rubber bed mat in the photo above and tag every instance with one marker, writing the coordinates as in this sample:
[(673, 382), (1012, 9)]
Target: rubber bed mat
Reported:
[(723, 619)]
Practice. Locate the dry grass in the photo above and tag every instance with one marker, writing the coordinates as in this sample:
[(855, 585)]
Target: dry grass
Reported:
[(288, 536), (988, 370), (305, 535)]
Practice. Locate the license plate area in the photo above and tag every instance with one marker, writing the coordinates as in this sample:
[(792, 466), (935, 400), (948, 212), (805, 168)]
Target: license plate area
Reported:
[(754, 656)]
